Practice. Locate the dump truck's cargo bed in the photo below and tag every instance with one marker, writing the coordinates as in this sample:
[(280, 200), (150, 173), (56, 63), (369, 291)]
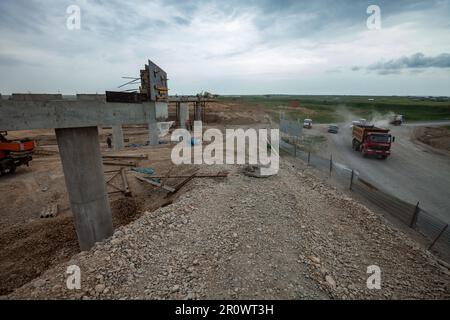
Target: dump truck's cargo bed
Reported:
[(359, 132)]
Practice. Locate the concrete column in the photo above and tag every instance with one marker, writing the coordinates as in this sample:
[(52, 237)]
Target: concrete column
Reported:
[(117, 137), (83, 171), (184, 114), (162, 111), (198, 111), (152, 126)]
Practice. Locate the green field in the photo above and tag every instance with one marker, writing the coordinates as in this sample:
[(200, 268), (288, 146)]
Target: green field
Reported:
[(327, 109)]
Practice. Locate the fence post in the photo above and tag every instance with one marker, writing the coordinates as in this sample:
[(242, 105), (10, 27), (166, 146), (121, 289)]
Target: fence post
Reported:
[(415, 215), (438, 236), (295, 147), (309, 156), (351, 181), (331, 163)]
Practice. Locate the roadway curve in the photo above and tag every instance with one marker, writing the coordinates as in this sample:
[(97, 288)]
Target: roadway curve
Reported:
[(414, 172)]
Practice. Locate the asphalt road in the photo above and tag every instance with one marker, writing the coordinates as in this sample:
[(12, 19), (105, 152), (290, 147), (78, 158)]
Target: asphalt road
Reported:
[(413, 172)]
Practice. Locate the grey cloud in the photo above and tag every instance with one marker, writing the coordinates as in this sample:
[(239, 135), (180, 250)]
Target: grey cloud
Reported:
[(417, 60), (414, 63), (6, 60), (181, 21), (119, 32)]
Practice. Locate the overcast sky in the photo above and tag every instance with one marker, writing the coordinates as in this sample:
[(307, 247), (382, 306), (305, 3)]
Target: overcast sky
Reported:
[(228, 46)]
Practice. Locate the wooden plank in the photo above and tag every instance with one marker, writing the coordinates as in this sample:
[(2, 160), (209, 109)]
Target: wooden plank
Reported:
[(125, 156), (214, 175), (154, 183), (126, 189), (181, 184), (119, 163)]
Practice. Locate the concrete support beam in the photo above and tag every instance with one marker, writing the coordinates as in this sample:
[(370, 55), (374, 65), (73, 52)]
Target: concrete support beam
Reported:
[(28, 115), (117, 137), (152, 125), (91, 96), (184, 114), (35, 96), (83, 171)]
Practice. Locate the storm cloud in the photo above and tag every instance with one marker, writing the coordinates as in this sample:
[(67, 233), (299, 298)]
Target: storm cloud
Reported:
[(415, 61), (228, 47)]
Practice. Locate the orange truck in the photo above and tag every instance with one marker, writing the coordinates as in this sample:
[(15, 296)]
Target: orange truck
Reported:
[(370, 140), (14, 153)]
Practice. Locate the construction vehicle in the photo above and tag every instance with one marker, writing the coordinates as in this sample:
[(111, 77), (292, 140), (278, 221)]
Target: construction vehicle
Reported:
[(370, 140), (14, 153), (396, 119)]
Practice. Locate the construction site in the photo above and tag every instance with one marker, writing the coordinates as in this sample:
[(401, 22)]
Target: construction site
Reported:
[(224, 158), (89, 181)]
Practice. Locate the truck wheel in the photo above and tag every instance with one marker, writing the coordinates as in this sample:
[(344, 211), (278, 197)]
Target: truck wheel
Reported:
[(364, 153), (383, 157), (355, 145)]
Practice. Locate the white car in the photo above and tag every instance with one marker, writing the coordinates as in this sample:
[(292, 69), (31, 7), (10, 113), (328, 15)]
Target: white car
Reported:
[(307, 123)]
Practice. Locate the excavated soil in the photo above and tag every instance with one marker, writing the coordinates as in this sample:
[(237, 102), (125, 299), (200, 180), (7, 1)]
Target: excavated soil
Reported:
[(437, 137)]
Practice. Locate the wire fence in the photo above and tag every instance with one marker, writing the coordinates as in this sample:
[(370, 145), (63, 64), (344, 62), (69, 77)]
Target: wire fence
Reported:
[(436, 231)]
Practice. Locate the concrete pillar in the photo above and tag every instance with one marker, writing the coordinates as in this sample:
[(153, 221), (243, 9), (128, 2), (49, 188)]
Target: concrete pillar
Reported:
[(117, 137), (184, 114), (198, 112), (83, 171), (152, 126), (162, 111)]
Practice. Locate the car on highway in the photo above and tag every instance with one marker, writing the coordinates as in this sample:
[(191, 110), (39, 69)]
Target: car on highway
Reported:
[(307, 123), (333, 128)]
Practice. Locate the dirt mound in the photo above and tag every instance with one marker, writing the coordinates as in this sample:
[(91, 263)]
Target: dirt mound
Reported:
[(437, 137), (28, 249)]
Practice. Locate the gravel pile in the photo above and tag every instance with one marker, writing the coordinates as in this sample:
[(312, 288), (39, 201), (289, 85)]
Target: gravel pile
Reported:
[(288, 236)]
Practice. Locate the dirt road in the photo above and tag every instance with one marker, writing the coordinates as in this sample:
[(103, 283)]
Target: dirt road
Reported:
[(414, 172)]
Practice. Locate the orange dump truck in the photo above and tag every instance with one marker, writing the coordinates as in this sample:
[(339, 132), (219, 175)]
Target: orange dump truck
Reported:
[(14, 153), (370, 140)]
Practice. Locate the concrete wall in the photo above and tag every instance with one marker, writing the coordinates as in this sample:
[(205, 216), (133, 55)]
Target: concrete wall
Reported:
[(89, 96), (35, 97)]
